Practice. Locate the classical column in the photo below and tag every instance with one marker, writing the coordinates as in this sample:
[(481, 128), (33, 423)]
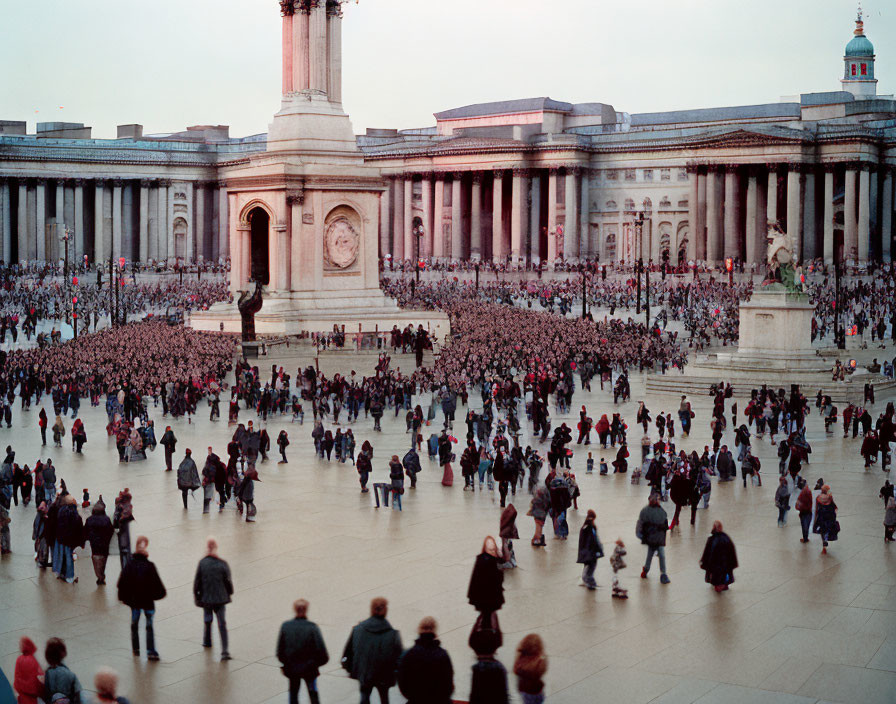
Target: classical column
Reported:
[(116, 218), (713, 217), (426, 200), (79, 220), (22, 230), (40, 219), (850, 217), (190, 248), (144, 220), (334, 58), (498, 252), (163, 226), (52, 250), (235, 234), (552, 216), (200, 221), (828, 221), (864, 226), (279, 254), (99, 234), (585, 245), (771, 208), (886, 223), (692, 213), (700, 223), (296, 202), (407, 227), (517, 200), (535, 218), (476, 217), (397, 250), (795, 210), (317, 31), (6, 220), (810, 241), (571, 210), (457, 245), (731, 248), (223, 249), (751, 225), (288, 12), (438, 236), (301, 52), (385, 197)]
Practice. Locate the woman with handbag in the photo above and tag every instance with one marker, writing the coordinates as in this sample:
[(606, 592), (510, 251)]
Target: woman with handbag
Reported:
[(590, 549), (826, 523)]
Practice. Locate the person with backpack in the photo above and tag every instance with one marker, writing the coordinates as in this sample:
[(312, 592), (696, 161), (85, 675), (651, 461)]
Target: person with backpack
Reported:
[(302, 652)]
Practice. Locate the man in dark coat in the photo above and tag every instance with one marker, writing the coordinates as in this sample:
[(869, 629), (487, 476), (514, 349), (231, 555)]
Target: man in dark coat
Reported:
[(719, 558), (99, 532), (725, 465), (301, 650), (169, 442), (411, 462), (651, 529), (187, 476), (372, 652), (212, 588), (139, 587), (69, 535), (425, 674)]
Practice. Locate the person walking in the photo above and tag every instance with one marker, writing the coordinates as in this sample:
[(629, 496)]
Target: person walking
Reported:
[(719, 559), (139, 587), (42, 422), (486, 590), (99, 533), (372, 652), (804, 509), (508, 533), (425, 673), (826, 523), (590, 549), (187, 476), (529, 668), (28, 680), (302, 652), (106, 684), (59, 681), (282, 444), (69, 535), (782, 500), (890, 520), (212, 589), (651, 529), (169, 442)]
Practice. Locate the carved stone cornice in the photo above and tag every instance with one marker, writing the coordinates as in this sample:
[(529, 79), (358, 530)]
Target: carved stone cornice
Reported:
[(295, 198), (117, 182), (40, 181), (457, 175), (521, 172), (498, 174), (164, 183), (287, 9), (476, 176), (145, 183), (99, 182), (79, 182), (222, 185), (732, 168)]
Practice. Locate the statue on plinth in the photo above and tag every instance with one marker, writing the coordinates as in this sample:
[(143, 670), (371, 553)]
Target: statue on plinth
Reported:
[(780, 260), (249, 305)]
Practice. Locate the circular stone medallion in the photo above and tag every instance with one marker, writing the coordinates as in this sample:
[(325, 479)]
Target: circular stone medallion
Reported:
[(342, 242)]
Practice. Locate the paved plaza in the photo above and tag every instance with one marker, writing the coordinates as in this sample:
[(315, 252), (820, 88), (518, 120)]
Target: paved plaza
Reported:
[(795, 627)]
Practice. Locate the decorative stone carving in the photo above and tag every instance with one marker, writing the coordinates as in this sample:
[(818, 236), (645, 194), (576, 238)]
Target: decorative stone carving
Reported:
[(180, 195), (341, 244), (307, 218), (295, 198)]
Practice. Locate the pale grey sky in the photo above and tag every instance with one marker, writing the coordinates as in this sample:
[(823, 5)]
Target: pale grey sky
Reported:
[(172, 63)]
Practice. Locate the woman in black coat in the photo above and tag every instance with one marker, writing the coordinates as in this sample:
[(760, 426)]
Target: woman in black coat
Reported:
[(139, 587), (719, 559), (486, 591)]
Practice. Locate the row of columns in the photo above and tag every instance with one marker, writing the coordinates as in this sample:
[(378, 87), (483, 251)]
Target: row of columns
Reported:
[(24, 211), (517, 222), (725, 221)]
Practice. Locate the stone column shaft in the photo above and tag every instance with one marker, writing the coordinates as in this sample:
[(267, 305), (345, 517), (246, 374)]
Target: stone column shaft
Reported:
[(280, 263), (317, 29), (438, 236), (571, 229), (552, 216), (144, 221), (223, 250), (535, 219), (6, 220), (385, 197), (397, 250), (771, 209), (457, 245), (810, 243), (287, 53), (692, 216), (22, 230), (162, 219), (700, 223), (850, 217), (476, 218), (301, 52), (864, 224), (498, 252), (78, 225), (795, 212), (40, 220), (713, 217), (426, 244), (517, 216), (200, 223), (408, 222), (116, 219), (334, 59), (751, 225), (731, 248), (295, 221), (99, 231), (828, 221), (886, 226), (54, 248), (585, 245)]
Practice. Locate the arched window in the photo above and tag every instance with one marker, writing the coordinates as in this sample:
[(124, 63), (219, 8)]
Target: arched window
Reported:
[(629, 204), (611, 205), (665, 202)]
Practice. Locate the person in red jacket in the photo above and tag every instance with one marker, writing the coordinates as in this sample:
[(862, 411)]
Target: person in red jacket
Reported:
[(29, 675)]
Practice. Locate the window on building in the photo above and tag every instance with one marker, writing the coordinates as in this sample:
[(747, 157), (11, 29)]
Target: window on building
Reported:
[(682, 174), (665, 174), (683, 203), (665, 202), (629, 174), (853, 69), (612, 175), (611, 206), (648, 174), (629, 204), (864, 69)]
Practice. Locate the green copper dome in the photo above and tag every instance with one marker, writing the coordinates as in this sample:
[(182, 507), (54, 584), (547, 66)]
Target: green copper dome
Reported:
[(860, 45)]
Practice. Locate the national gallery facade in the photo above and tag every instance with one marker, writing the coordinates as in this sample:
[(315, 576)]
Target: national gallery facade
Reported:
[(522, 180)]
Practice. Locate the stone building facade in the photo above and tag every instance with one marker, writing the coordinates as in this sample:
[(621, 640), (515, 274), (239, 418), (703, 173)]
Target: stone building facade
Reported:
[(533, 180)]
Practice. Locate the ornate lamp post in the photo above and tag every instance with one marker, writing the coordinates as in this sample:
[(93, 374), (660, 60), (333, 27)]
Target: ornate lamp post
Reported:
[(418, 232), (639, 228)]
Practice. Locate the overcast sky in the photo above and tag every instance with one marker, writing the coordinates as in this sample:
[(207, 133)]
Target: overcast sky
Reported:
[(171, 63)]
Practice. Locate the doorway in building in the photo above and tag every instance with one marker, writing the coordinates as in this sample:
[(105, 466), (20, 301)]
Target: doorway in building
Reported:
[(259, 222)]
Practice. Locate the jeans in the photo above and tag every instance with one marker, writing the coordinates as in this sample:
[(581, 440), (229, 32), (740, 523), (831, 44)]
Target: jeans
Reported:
[(66, 566), (208, 612), (806, 523), (782, 514), (382, 689), (396, 500), (532, 698), (659, 550), (295, 685), (562, 525), (386, 489), (588, 574), (150, 636)]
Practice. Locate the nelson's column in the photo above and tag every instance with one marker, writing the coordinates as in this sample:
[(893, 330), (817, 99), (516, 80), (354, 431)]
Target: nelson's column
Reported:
[(304, 214)]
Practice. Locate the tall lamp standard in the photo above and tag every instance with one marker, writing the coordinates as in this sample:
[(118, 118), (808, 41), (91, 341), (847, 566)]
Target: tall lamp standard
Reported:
[(418, 232), (639, 230), (66, 237)]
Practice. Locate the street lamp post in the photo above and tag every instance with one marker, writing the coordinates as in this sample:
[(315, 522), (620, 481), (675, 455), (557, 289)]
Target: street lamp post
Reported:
[(65, 241), (418, 232), (639, 229), (647, 296)]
